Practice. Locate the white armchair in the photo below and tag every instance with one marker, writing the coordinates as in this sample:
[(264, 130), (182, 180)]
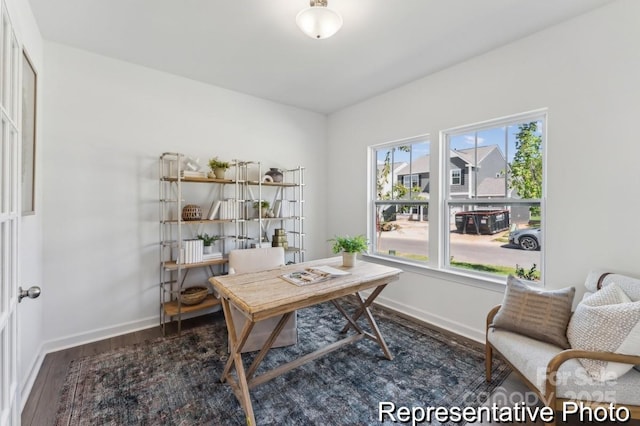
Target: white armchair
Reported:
[(253, 260)]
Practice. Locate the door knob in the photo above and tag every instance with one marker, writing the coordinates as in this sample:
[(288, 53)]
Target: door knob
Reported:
[(32, 293)]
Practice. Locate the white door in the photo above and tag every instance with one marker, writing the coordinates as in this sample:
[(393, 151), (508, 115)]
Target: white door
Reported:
[(10, 211)]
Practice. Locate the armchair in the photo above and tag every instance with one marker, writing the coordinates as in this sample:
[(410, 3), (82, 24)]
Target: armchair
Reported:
[(556, 375), (253, 260)]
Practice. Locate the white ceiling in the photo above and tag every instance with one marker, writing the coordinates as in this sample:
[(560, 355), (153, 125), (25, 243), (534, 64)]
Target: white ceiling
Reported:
[(254, 46)]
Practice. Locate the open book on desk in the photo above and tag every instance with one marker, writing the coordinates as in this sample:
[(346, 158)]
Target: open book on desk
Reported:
[(313, 275)]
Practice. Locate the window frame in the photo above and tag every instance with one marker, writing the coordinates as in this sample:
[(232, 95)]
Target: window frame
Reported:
[(459, 177), (439, 203), (445, 194)]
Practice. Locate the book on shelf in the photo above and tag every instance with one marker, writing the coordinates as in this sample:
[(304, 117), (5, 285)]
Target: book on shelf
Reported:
[(228, 209), (209, 256), (313, 275), (189, 173), (277, 207), (191, 251), (213, 210)]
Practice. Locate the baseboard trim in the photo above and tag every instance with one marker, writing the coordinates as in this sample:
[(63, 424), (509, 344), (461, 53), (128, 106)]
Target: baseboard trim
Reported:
[(477, 335), (98, 334), (32, 374)]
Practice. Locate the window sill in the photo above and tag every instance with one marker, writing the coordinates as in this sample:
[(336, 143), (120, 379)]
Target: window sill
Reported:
[(496, 284)]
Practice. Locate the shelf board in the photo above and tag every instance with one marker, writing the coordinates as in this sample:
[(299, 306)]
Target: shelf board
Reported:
[(281, 184), (171, 265), (197, 180), (171, 308), (190, 222)]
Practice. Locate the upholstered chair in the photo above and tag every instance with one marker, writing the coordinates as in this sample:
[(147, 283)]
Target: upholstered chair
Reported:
[(254, 260)]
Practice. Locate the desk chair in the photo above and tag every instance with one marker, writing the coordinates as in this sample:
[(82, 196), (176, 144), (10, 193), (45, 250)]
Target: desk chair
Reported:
[(254, 260)]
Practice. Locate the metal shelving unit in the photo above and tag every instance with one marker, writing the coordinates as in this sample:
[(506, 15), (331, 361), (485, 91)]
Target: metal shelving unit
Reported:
[(243, 229)]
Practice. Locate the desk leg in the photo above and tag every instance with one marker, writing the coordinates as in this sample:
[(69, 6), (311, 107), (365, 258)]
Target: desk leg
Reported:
[(374, 327), (369, 301), (364, 309), (240, 388)]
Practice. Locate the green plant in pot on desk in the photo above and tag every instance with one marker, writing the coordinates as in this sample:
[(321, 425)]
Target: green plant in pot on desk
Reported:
[(207, 241), (350, 247), (218, 167)]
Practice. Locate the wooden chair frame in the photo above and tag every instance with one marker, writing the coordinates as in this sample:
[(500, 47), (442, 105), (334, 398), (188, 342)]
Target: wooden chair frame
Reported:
[(549, 398)]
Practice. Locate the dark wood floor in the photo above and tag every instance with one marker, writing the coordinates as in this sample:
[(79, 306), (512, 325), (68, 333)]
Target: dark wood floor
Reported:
[(42, 404)]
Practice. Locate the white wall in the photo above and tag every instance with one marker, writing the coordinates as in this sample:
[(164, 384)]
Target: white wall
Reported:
[(106, 123), (585, 71), (30, 312)]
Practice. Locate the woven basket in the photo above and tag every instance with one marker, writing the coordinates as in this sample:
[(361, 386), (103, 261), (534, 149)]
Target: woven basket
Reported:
[(193, 295), (191, 212)]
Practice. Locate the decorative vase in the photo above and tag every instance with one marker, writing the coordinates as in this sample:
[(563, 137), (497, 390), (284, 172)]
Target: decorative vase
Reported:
[(349, 259), (191, 212), (275, 174), (219, 173), (207, 249)]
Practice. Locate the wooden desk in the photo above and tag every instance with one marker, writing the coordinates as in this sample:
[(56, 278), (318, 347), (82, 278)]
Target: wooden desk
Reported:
[(265, 294)]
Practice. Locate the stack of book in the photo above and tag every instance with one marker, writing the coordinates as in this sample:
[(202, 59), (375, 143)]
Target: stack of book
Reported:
[(192, 174), (191, 252), (209, 256), (228, 209)]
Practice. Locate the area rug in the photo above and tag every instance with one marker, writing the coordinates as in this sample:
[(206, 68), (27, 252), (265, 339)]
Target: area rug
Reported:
[(175, 380)]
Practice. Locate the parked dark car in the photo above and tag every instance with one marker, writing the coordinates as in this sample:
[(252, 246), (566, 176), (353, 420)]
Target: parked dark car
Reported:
[(526, 239)]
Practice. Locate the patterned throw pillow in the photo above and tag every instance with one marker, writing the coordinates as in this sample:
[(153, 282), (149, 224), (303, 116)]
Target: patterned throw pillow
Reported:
[(608, 321), (537, 313)]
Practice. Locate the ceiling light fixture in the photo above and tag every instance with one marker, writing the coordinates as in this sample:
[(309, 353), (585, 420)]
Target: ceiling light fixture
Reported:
[(318, 21)]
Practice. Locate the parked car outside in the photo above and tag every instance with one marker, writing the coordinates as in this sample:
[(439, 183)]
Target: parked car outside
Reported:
[(526, 239)]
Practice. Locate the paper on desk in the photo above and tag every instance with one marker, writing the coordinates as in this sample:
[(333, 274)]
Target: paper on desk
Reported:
[(330, 270), (313, 275)]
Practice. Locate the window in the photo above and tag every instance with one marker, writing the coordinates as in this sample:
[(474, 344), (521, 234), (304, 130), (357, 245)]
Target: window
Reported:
[(492, 224), (401, 199), (456, 177), (489, 220), (411, 181)]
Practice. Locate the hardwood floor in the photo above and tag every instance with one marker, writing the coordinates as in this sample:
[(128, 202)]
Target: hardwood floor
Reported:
[(42, 403)]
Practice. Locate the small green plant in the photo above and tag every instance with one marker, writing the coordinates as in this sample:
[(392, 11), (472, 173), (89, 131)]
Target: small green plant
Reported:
[(358, 244), (207, 239), (264, 204), (214, 164), (530, 275)]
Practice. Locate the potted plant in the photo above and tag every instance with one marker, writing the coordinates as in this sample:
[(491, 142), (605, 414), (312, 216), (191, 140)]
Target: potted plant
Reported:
[(207, 241), (264, 206), (218, 167), (350, 247)]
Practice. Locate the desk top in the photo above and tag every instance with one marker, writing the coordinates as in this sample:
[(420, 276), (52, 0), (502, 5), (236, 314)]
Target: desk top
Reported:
[(265, 294)]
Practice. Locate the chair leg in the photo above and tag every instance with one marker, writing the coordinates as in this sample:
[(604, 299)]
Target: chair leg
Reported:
[(488, 359)]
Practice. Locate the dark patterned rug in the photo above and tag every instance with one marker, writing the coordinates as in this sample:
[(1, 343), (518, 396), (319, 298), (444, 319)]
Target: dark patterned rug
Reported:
[(175, 380)]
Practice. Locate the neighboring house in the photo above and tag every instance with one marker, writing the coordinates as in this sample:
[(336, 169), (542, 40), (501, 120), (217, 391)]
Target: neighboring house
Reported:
[(471, 171)]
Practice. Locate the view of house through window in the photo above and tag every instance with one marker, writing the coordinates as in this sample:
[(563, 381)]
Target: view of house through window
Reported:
[(492, 178), (494, 213), (401, 201)]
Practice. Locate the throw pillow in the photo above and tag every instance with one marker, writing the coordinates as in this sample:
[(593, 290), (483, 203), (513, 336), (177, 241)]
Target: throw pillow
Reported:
[(537, 313), (606, 321)]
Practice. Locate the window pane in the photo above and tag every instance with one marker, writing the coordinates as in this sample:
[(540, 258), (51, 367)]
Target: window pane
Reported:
[(402, 194), (495, 239), (402, 231), (498, 164)]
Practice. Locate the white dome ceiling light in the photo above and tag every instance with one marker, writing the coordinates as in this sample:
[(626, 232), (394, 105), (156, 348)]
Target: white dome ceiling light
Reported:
[(318, 21)]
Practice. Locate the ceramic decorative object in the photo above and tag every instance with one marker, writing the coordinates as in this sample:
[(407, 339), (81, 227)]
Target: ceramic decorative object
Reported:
[(275, 174), (191, 212)]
